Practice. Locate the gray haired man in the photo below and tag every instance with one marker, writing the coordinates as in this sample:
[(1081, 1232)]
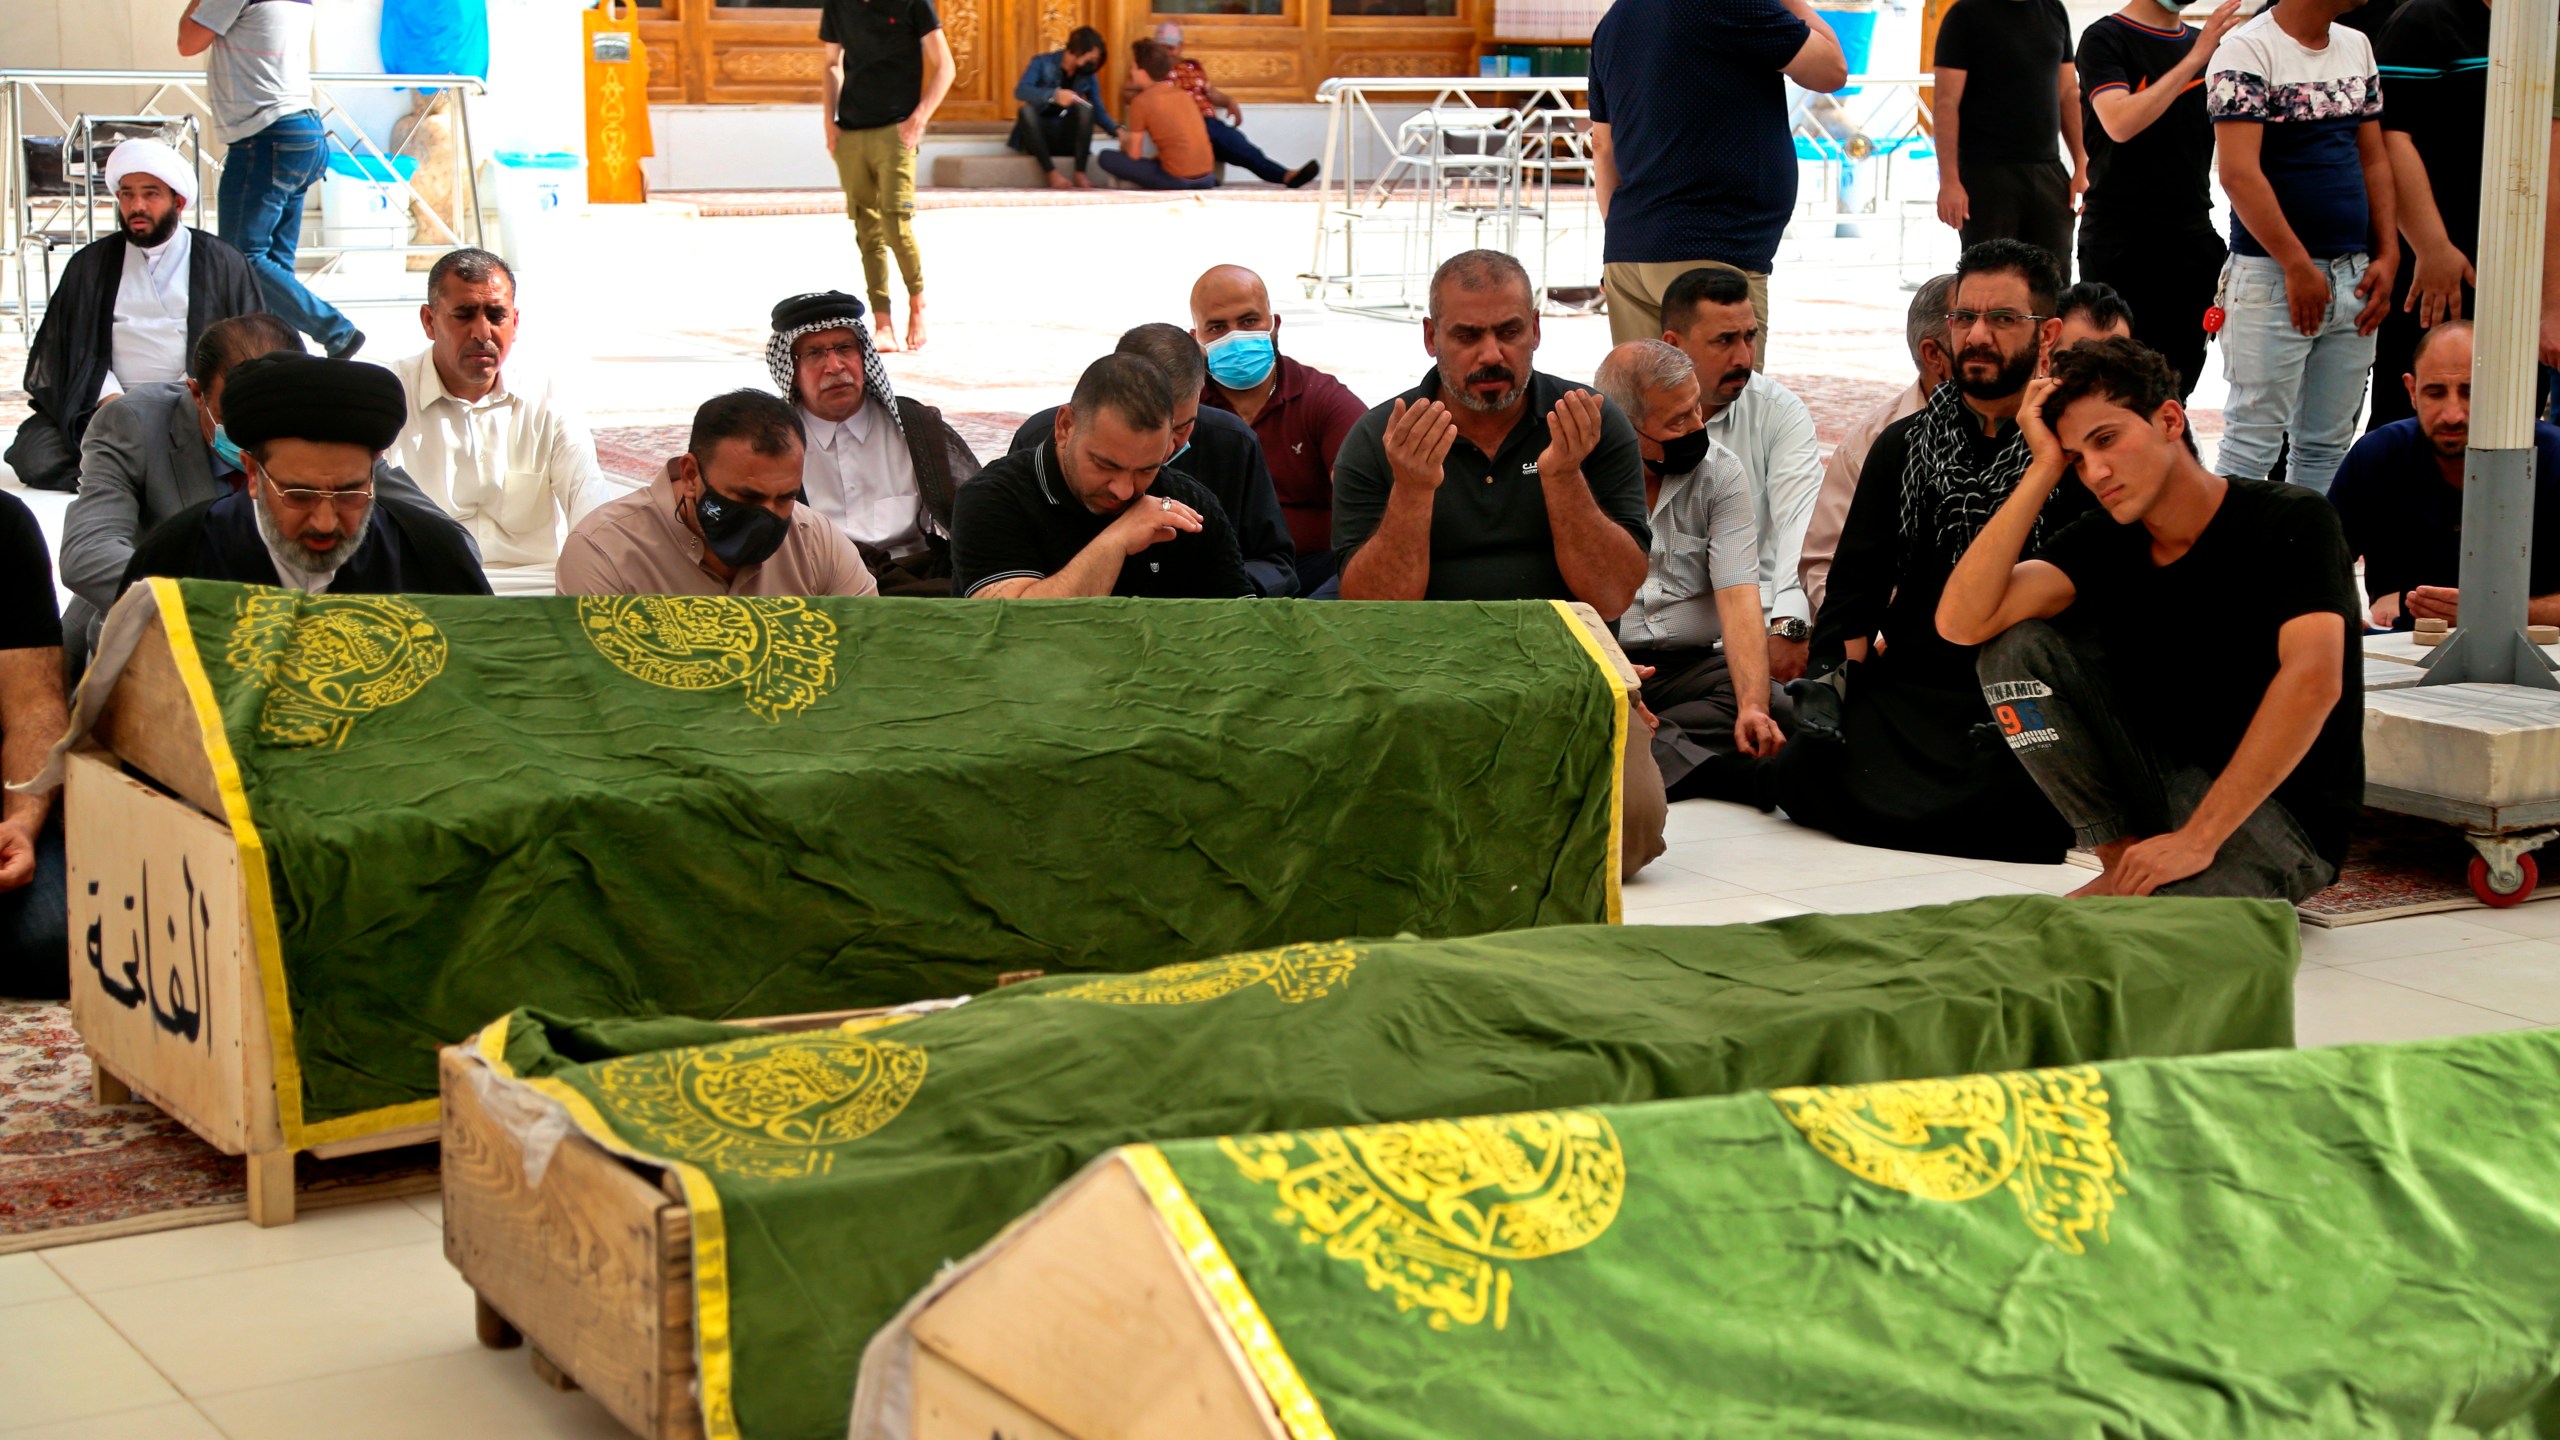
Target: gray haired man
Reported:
[(1702, 581)]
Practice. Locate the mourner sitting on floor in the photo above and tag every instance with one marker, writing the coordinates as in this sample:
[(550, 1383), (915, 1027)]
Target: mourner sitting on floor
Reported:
[(35, 949), (311, 433), (883, 467), (2399, 495), (1097, 509), (723, 518), (2200, 722), (129, 310)]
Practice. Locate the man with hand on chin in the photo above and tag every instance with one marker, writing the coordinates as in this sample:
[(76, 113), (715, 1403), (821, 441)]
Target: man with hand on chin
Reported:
[(1299, 413), (2200, 727), (1093, 510), (724, 518)]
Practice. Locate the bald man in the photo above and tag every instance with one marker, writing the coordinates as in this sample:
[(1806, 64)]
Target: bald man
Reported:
[(1298, 412)]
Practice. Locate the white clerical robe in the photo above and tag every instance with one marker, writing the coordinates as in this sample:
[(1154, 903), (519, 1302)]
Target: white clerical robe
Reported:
[(148, 340)]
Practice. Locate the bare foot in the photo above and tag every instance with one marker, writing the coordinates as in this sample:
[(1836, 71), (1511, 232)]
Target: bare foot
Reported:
[(1083, 182), (2105, 884), (884, 336), (915, 322), (1058, 181)]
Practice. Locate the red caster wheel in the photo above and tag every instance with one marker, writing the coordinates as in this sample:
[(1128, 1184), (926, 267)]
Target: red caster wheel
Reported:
[(2492, 898)]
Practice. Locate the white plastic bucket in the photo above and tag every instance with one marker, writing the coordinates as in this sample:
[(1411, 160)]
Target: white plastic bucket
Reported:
[(537, 195), (361, 205)]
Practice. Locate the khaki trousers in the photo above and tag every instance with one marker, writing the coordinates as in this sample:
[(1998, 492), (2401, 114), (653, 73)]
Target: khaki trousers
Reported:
[(1635, 298), (879, 178), (1644, 811)]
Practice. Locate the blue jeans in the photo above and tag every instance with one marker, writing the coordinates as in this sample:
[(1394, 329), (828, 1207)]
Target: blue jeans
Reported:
[(263, 180), (35, 926), (1149, 173), (2284, 382), (1229, 144)]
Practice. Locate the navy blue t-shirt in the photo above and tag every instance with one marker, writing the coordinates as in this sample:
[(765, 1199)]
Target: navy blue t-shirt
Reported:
[(2402, 517), (1697, 116)]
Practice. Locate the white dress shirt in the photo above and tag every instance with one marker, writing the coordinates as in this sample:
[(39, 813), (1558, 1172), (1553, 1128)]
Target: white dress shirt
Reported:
[(1703, 541), (147, 343), (858, 474), (517, 467), (1771, 432)]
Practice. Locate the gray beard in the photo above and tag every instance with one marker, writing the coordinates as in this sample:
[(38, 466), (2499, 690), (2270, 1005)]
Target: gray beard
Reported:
[(1467, 399), (301, 557)]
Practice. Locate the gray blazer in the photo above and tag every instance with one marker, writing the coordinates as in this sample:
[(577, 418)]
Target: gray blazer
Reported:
[(143, 460)]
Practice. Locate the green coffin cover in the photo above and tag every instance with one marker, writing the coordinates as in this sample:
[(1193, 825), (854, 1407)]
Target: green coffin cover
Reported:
[(2332, 1243), (832, 1174), (448, 806)]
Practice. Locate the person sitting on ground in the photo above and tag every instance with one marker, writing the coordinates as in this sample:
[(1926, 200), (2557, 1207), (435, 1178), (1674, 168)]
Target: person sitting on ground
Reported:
[(495, 448), (1299, 413), (883, 467), (1061, 107), (2234, 766), (155, 452), (1704, 577), (1494, 481), (1163, 112), (1892, 747), (1226, 137), (1925, 331), (1212, 447), (1707, 313), (311, 433), (2091, 310), (2399, 495), (723, 518), (129, 310), (35, 940), (1094, 509)]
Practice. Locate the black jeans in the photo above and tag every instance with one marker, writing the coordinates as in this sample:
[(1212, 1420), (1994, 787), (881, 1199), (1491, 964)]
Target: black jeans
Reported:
[(2168, 284), (1692, 693), (2020, 202), (35, 926), (2065, 723), (1045, 132)]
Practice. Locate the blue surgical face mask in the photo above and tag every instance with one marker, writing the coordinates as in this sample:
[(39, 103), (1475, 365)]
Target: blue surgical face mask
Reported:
[(224, 450), (1178, 454), (1242, 359)]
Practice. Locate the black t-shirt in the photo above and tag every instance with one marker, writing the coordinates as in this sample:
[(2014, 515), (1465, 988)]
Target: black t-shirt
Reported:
[(2191, 646), (883, 44), (2158, 182), (2434, 59), (1226, 457), (30, 613), (1018, 519), (2012, 53)]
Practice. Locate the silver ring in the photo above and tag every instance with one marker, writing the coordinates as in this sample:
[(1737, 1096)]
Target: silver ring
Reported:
[(1167, 504)]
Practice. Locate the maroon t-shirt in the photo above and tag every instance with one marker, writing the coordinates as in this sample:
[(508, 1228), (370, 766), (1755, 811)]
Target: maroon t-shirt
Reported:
[(1301, 427)]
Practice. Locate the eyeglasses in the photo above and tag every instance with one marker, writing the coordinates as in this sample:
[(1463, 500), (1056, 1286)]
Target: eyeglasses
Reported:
[(348, 502), (2001, 321), (824, 353)]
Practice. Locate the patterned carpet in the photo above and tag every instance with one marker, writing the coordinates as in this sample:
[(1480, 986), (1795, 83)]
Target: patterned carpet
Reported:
[(71, 1170)]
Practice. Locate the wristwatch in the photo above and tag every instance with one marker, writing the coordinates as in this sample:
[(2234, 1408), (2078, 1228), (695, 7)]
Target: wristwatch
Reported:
[(1788, 627)]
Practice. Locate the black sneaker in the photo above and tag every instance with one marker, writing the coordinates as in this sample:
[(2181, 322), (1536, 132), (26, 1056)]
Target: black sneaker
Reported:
[(1299, 178), (348, 351)]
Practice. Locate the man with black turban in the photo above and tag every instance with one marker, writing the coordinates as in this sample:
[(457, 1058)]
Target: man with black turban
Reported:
[(881, 467), (307, 516)]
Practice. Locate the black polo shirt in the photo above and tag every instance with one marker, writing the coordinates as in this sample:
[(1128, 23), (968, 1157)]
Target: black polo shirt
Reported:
[(1489, 534), (883, 44), (29, 617), (1018, 519), (1225, 456)]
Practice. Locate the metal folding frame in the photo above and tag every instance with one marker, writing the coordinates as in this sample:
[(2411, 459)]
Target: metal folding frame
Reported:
[(23, 234)]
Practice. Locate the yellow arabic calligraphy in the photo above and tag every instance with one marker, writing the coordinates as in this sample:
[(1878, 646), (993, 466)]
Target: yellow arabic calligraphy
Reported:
[(770, 1108), (2044, 1135), (326, 661), (1296, 973), (1436, 1211), (778, 650)]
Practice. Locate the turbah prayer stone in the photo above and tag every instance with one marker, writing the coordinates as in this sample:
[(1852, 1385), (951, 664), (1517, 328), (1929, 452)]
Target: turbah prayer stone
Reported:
[(830, 1174)]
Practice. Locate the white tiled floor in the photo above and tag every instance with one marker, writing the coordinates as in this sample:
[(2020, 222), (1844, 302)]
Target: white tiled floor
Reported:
[(349, 1323)]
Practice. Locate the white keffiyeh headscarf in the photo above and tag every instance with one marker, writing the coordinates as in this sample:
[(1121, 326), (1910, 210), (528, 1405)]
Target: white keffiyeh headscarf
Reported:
[(826, 310)]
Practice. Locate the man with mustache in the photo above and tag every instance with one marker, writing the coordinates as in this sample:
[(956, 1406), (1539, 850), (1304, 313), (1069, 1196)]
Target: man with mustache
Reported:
[(128, 311), (2399, 494), (1887, 750), (508, 457), (2234, 767), (1708, 314), (309, 515), (1493, 481)]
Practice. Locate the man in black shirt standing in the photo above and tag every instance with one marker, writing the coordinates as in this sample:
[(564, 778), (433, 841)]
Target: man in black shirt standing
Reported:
[(2005, 85), (2434, 59), (2201, 727), (35, 951), (2146, 227), (888, 67), (1093, 510)]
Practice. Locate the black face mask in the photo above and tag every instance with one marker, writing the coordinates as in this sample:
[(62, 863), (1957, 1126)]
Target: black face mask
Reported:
[(738, 533), (1681, 454)]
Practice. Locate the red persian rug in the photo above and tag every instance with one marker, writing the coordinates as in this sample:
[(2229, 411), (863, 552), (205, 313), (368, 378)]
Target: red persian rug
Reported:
[(71, 1170)]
